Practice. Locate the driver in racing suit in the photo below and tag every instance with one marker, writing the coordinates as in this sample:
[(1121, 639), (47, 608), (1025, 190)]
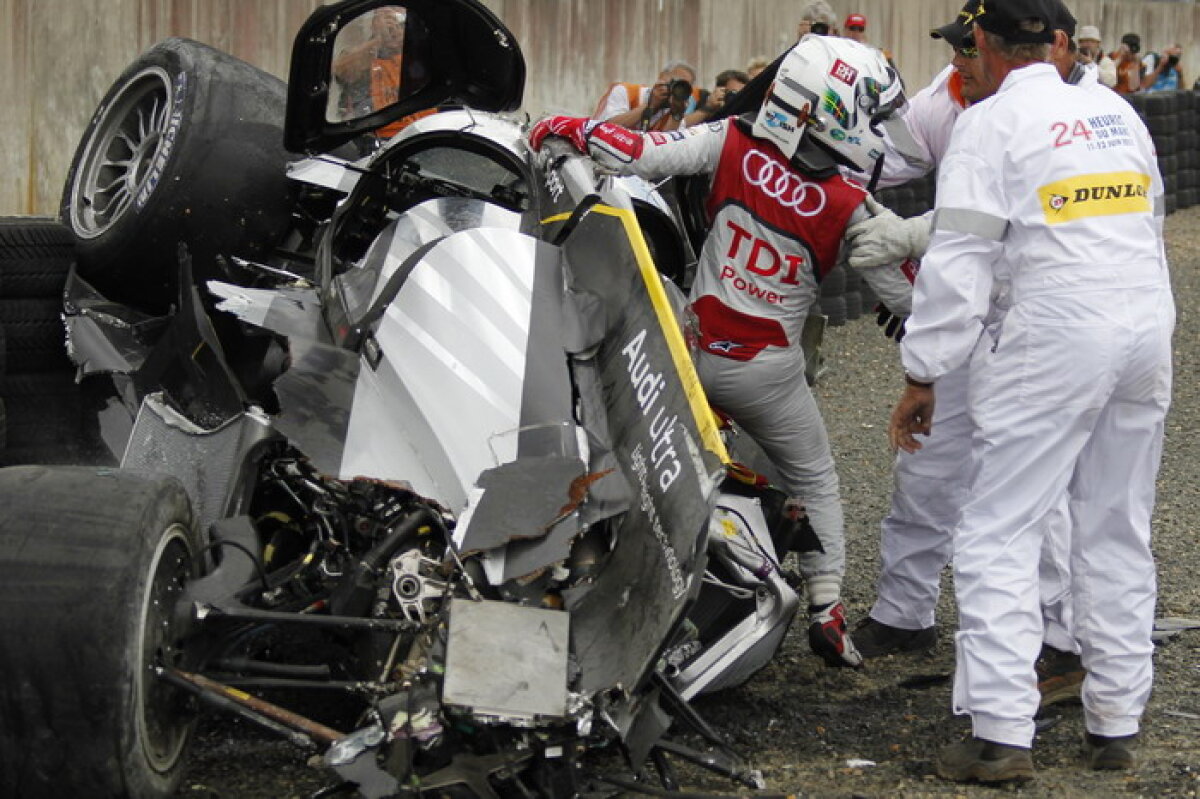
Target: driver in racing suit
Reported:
[(779, 208)]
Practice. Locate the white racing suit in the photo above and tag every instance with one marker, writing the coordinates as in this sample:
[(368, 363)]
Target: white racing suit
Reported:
[(1057, 189), (775, 233), (930, 485)]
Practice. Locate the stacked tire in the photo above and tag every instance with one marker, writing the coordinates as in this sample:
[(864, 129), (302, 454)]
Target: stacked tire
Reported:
[(1161, 112), (43, 419), (1187, 144)]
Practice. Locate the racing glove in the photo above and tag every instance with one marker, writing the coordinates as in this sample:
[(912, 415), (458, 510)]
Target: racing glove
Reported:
[(892, 324), (886, 238), (574, 129), (616, 144)]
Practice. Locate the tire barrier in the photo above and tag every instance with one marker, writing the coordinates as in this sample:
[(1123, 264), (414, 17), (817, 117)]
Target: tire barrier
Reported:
[(44, 412)]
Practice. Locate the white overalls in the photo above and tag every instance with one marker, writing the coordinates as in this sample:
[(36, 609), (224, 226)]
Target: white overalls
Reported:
[(930, 485), (1057, 189)]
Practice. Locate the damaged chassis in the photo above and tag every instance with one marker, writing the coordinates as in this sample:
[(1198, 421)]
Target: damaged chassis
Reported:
[(483, 502)]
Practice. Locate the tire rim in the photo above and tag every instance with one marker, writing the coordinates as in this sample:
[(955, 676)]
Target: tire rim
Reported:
[(133, 134), (165, 718)]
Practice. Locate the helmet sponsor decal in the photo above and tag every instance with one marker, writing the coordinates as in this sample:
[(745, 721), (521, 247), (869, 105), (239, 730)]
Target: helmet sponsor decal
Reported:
[(782, 184), (831, 102), (1101, 194), (843, 72), (778, 119)]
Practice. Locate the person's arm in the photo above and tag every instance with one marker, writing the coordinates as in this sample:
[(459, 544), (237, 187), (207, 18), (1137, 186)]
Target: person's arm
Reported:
[(354, 63), (711, 107), (888, 280), (629, 152), (1151, 65), (952, 294), (632, 117), (1108, 71)]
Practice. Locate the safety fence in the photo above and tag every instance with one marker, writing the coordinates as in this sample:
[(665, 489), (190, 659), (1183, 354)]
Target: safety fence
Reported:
[(1171, 119)]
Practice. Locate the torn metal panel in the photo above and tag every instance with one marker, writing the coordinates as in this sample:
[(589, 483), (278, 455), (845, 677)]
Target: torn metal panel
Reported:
[(315, 395), (620, 622), (207, 462), (105, 337), (506, 660), (523, 499), (292, 312)]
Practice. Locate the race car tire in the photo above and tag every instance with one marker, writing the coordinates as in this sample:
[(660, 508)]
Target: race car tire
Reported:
[(186, 146), (35, 256), (92, 562)]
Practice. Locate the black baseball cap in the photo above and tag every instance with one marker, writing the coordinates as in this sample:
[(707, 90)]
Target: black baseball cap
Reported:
[(954, 32), (1004, 18), (1064, 20)]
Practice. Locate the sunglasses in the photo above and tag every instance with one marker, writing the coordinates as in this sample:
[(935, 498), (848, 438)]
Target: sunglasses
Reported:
[(966, 48), (856, 28)]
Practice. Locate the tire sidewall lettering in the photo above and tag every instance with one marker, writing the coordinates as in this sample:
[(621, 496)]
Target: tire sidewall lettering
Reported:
[(163, 157)]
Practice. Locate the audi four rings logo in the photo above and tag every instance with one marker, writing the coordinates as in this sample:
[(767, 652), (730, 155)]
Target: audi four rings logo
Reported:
[(782, 185)]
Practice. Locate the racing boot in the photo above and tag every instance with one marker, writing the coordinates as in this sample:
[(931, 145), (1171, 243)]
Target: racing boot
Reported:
[(828, 637)]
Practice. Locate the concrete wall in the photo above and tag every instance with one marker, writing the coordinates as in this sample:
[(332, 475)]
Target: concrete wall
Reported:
[(58, 57)]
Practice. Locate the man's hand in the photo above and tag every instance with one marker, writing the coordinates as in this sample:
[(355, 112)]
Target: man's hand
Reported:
[(912, 414), (574, 129), (659, 95), (885, 238)]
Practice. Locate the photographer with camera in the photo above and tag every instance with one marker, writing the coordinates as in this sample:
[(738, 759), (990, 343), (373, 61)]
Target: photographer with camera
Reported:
[(729, 82), (661, 106), (1092, 52), (1161, 73), (1129, 64)]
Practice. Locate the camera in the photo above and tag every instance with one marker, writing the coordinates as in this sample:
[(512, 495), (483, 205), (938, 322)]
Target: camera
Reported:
[(819, 28), (1172, 60), (679, 90)]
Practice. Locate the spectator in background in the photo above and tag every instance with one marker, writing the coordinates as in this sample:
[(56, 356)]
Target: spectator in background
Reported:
[(817, 17), (1129, 64), (727, 85), (1161, 73), (1091, 52), (855, 28), (757, 64), (661, 106)]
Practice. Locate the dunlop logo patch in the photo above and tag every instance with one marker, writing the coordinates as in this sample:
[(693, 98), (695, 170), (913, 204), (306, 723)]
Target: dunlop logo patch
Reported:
[(1103, 194)]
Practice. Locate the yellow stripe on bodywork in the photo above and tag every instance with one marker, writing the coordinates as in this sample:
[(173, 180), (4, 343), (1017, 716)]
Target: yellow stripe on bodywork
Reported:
[(1100, 194), (704, 417)]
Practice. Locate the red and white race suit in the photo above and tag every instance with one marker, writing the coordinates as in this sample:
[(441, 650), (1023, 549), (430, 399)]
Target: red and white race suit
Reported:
[(775, 233)]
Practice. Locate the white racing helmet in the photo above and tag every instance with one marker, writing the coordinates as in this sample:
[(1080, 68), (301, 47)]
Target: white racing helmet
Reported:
[(836, 91)]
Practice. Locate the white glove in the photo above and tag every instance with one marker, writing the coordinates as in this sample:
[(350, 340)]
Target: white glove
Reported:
[(885, 239)]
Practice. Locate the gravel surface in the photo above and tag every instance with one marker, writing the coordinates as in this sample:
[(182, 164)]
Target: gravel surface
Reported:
[(822, 732)]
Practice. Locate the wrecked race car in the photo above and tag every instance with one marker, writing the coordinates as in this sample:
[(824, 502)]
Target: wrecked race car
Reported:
[(438, 459)]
